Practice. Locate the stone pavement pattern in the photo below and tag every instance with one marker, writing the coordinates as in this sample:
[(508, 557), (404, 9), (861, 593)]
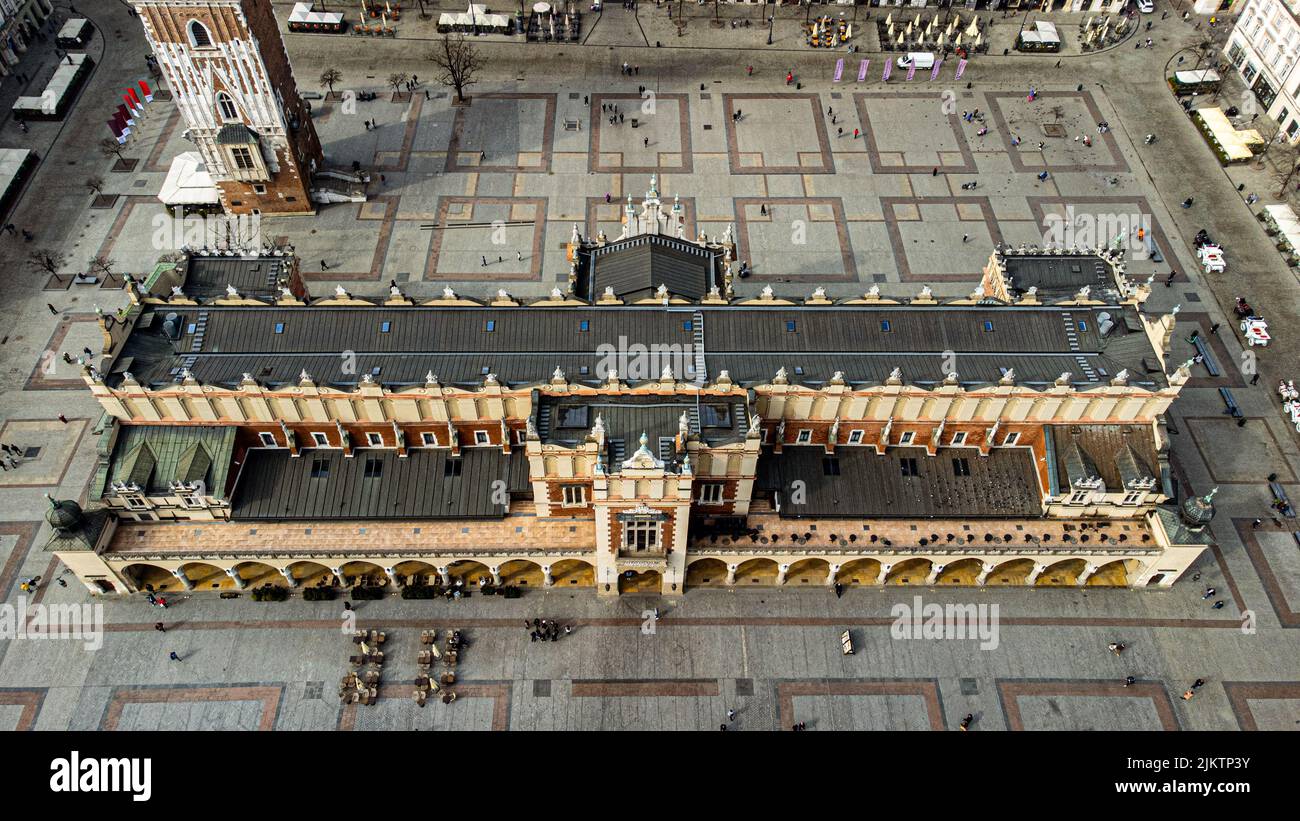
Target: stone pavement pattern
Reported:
[(869, 211)]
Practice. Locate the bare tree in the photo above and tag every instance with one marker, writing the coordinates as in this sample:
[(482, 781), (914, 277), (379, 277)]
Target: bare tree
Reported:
[(47, 260), (102, 265), (329, 77), (458, 61), (396, 80), (110, 147), (95, 184), (1288, 164)]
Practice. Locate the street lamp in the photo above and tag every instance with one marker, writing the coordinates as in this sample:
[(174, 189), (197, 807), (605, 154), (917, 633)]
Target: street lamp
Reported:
[(770, 23)]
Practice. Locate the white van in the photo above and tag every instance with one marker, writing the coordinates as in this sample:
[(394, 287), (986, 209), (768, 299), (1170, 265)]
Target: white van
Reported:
[(921, 59)]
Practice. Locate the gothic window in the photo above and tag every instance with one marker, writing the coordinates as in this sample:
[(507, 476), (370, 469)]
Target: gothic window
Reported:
[(199, 37), (226, 106), (639, 536)]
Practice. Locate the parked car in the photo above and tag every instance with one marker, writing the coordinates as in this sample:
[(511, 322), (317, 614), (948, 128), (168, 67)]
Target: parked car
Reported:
[(1146, 6)]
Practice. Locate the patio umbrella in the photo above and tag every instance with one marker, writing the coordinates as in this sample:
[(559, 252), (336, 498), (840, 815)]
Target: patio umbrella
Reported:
[(973, 28), (979, 38), (939, 42), (900, 40), (889, 20)]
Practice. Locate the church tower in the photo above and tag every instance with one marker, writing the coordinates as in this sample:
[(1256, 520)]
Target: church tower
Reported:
[(229, 74)]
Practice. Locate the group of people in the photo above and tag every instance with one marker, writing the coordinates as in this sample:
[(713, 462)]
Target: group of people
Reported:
[(9, 460), (546, 629), (615, 114)]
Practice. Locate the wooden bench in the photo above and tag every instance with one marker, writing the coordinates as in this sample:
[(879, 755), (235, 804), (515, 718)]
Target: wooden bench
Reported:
[(1206, 359), (846, 643), (1284, 502)]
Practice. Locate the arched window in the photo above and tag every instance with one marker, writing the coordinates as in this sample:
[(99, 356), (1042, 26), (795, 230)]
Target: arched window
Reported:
[(199, 37), (226, 106)]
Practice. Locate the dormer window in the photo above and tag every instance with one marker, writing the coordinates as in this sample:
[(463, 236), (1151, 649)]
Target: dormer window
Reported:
[(226, 105), (199, 36)]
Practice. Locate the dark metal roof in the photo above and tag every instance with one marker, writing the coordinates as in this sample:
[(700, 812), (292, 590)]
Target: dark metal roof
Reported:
[(637, 266), (273, 485), (236, 134), (338, 346), (1060, 277), (258, 277), (568, 420), (1116, 454), (1002, 484)]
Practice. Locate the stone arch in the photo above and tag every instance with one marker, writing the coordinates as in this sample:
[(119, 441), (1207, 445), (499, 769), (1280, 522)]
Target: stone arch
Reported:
[(310, 573), (522, 572), (1117, 573), (1064, 573), (965, 572), (469, 571), (356, 572), (416, 572), (756, 571), (256, 574), (573, 573), (205, 576), (140, 574), (706, 572), (859, 572), (811, 571), (1013, 572), (909, 571), (645, 581)]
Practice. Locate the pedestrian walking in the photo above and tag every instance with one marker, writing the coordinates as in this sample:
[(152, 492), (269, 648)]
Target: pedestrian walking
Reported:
[(383, 180), (1254, 380), (646, 142), (172, 655), (855, 133), (965, 237), (934, 172), (1214, 329), (731, 715), (53, 310), (347, 606), (1218, 605), (1198, 684), (749, 71), (1189, 695), (159, 627), (162, 602), (533, 636), (839, 132), (485, 260), (323, 266), (519, 256), (63, 419), (1255, 524), (965, 722), (1209, 591), (27, 235), (1169, 280), (1128, 681), (568, 629), (762, 209)]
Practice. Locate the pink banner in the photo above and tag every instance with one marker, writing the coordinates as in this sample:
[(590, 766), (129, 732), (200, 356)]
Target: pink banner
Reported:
[(934, 73), (961, 69), (884, 75), (862, 70), (839, 69), (911, 71)]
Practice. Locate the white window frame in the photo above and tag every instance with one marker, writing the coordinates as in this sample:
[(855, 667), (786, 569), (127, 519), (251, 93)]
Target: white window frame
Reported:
[(958, 439), (1079, 497), (855, 436), (192, 501), (320, 439), (428, 439), (375, 440), (1134, 497), (803, 437), (1012, 438), (207, 34), (906, 438), (573, 495), (223, 100), (268, 440), (481, 438), (649, 529), (712, 493), (135, 501)]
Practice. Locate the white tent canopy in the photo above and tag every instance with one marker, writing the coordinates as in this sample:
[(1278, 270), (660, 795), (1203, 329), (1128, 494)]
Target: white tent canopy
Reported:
[(188, 182)]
